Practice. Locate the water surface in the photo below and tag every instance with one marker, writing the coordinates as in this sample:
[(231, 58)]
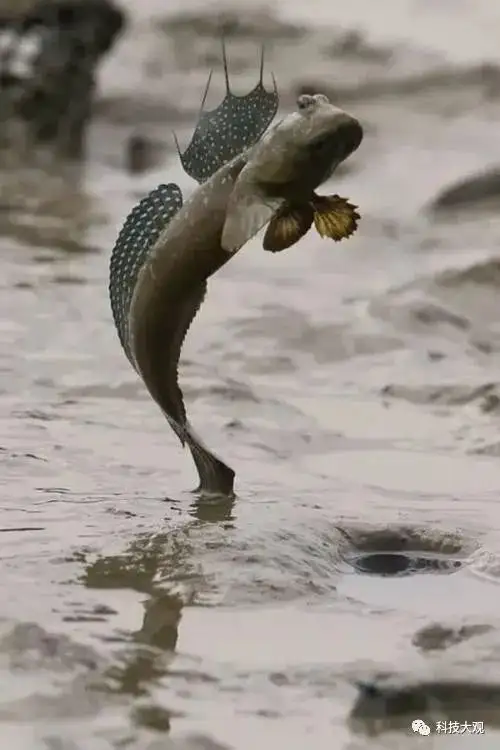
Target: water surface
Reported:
[(353, 387)]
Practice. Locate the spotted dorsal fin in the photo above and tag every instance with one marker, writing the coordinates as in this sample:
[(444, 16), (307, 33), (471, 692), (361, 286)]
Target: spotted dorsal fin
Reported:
[(139, 233), (225, 132)]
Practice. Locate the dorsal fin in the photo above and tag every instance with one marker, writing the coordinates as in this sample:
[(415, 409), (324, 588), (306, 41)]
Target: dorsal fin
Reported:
[(139, 233), (225, 132)]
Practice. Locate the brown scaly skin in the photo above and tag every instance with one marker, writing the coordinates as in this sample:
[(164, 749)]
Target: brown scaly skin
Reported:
[(166, 251)]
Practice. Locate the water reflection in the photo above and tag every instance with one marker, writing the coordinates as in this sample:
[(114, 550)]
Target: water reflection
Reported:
[(216, 510), (155, 560), (163, 566), (160, 627)]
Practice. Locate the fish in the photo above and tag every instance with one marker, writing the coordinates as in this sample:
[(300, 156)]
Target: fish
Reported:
[(247, 175)]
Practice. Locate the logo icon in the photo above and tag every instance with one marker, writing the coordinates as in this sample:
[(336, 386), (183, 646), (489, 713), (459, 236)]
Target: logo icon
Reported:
[(420, 727)]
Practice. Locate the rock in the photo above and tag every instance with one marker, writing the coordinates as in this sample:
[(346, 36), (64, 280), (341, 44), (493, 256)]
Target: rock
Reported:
[(477, 191), (391, 702), (14, 7), (48, 63), (437, 637)]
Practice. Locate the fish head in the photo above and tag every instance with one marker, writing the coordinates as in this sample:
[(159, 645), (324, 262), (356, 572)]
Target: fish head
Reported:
[(305, 148), (327, 135), (289, 162)]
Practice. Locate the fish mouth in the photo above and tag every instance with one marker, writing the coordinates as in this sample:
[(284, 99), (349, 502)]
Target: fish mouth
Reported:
[(349, 135), (340, 142)]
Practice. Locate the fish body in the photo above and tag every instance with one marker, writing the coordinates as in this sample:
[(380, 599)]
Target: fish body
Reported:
[(166, 251), (169, 291)]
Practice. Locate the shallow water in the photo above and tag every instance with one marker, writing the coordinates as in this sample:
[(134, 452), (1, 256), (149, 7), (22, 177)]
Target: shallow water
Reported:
[(353, 388)]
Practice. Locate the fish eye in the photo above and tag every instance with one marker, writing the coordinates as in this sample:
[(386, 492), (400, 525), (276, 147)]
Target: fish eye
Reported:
[(305, 101), (308, 101)]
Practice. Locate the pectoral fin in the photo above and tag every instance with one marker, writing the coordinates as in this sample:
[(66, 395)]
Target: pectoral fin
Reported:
[(287, 226), (334, 217), (247, 212)]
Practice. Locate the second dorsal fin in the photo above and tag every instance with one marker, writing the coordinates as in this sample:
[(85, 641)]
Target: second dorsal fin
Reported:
[(139, 233)]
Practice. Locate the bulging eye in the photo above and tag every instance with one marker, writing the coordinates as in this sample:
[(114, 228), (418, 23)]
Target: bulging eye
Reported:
[(304, 101)]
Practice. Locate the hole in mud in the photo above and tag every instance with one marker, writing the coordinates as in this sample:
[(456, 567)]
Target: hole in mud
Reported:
[(403, 551), (388, 564)]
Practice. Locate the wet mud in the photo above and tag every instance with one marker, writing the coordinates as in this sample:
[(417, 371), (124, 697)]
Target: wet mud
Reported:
[(351, 585)]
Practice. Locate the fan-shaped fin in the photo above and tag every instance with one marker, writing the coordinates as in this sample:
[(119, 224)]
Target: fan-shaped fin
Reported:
[(139, 233), (235, 125)]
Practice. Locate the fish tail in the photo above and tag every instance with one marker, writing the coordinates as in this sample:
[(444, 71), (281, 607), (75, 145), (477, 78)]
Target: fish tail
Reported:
[(216, 477)]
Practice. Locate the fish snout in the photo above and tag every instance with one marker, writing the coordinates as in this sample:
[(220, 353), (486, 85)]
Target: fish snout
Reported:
[(338, 141), (348, 135)]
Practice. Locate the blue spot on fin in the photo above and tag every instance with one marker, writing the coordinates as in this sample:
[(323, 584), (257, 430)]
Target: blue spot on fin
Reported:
[(141, 230), (225, 132)]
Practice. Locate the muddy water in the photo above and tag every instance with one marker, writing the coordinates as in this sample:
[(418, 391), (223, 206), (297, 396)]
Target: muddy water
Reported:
[(352, 586)]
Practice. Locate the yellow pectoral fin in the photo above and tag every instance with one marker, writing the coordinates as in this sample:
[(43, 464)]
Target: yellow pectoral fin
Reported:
[(335, 217), (287, 227)]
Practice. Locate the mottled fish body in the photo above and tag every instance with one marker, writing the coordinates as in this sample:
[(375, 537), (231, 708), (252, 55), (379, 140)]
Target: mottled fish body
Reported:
[(169, 291), (185, 255), (166, 251)]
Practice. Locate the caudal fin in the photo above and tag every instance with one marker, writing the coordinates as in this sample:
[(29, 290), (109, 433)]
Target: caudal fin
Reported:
[(216, 477)]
